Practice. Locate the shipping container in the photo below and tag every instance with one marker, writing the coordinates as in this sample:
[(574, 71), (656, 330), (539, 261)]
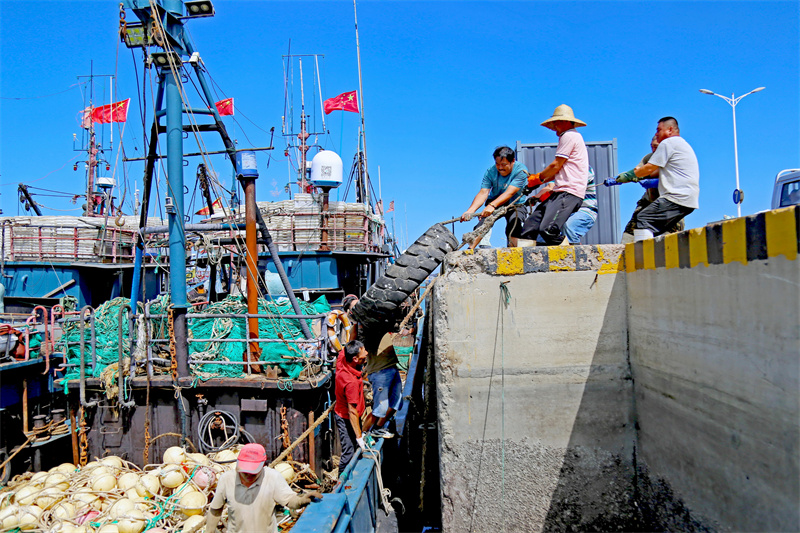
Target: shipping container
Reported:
[(603, 159)]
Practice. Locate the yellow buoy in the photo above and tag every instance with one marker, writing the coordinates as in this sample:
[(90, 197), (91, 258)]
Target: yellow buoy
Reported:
[(132, 522), (49, 497), (286, 471), (38, 478), (26, 495), (172, 476), (226, 455), (9, 517), (83, 499), (112, 461), (104, 483), (193, 524), (29, 517), (120, 508), (57, 480), (174, 455), (108, 528), (192, 503), (198, 458), (63, 510), (128, 480), (149, 485)]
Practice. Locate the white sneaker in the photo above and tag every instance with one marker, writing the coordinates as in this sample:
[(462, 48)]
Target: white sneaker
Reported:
[(381, 433)]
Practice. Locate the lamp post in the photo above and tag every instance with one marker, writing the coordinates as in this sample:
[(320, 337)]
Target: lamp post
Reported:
[(738, 196)]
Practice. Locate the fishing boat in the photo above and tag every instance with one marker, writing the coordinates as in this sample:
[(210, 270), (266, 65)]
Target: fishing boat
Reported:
[(162, 332)]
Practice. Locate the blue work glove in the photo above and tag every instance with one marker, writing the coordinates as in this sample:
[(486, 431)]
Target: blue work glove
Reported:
[(610, 182), (626, 177), (649, 183)]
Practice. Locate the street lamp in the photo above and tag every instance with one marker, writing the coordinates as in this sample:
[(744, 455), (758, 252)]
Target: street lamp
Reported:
[(738, 195)]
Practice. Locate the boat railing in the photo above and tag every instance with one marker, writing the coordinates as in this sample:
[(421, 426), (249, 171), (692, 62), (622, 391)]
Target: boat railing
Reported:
[(353, 505), (155, 335), (299, 226)]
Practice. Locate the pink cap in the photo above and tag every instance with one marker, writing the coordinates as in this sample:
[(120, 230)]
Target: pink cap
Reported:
[(251, 459)]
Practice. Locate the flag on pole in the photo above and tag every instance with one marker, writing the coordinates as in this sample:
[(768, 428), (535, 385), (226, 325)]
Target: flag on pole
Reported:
[(216, 205), (345, 102), (225, 107), (116, 112), (391, 207)]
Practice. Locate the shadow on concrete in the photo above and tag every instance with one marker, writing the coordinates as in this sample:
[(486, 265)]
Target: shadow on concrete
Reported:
[(600, 486)]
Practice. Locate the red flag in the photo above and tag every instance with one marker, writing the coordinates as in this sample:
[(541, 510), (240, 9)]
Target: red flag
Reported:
[(116, 112), (216, 205), (345, 102), (225, 107), (391, 207)]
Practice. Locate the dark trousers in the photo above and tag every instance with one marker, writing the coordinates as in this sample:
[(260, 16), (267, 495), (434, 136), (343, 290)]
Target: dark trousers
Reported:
[(347, 439), (660, 215), (648, 198), (549, 217)]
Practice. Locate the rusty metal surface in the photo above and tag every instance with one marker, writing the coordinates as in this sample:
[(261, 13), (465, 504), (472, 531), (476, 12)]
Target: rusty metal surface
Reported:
[(121, 433)]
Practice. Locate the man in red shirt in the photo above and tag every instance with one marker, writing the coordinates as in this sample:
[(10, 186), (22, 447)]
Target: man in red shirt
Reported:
[(349, 400)]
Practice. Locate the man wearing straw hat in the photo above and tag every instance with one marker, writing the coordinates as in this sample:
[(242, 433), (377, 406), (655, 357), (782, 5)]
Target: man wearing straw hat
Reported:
[(569, 170), (251, 492)]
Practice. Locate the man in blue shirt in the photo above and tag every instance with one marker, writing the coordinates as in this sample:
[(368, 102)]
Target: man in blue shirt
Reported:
[(502, 184)]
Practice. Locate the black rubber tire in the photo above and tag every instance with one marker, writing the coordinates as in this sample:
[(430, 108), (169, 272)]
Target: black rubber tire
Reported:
[(380, 305)]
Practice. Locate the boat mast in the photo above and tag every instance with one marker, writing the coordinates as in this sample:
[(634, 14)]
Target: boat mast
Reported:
[(303, 133), (365, 174)]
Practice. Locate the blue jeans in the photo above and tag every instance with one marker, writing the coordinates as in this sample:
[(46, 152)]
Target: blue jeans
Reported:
[(386, 391), (579, 225)]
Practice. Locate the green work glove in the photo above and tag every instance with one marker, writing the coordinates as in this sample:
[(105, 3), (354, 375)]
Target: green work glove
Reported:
[(626, 177)]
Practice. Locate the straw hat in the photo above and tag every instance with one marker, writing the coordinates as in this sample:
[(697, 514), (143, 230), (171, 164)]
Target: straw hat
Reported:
[(563, 112)]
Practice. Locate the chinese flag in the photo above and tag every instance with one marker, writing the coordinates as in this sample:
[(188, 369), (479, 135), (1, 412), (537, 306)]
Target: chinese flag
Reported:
[(225, 107), (216, 205), (391, 207), (345, 102), (117, 112)]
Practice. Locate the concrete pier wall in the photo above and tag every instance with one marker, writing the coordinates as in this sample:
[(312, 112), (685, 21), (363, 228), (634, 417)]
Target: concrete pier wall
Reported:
[(602, 389), (715, 356), (544, 365)]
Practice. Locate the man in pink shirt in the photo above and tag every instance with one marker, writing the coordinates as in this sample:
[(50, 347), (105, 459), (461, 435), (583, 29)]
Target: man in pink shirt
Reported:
[(569, 170)]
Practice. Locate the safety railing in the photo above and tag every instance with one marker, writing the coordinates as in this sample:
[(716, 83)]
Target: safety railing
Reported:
[(313, 350), (52, 242)]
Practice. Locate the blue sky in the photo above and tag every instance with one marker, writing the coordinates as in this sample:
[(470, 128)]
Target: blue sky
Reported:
[(445, 82)]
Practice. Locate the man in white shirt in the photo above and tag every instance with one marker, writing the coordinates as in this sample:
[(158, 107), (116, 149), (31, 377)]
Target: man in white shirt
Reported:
[(251, 492), (678, 181)]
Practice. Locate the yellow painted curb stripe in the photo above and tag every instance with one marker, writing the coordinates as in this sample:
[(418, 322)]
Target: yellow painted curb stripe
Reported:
[(781, 233), (609, 266), (509, 261), (671, 257), (734, 241), (648, 254), (562, 258), (698, 250), (630, 259)]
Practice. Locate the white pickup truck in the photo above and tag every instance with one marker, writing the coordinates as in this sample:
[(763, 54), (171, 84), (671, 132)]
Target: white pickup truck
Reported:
[(787, 188)]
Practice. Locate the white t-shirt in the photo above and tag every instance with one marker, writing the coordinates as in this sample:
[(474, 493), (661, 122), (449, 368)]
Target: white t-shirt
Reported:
[(679, 174), (252, 509), (573, 176)]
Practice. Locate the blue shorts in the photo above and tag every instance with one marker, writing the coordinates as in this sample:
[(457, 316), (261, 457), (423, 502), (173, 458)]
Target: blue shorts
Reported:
[(386, 391), (579, 225)]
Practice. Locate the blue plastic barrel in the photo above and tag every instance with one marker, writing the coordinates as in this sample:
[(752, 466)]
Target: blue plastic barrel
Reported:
[(246, 164)]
